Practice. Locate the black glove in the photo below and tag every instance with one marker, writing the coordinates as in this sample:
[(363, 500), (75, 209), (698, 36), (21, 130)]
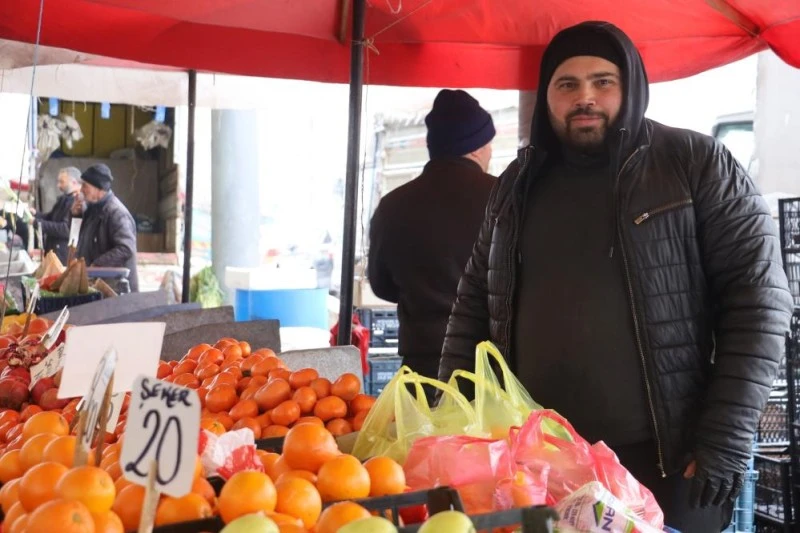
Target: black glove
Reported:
[(717, 480)]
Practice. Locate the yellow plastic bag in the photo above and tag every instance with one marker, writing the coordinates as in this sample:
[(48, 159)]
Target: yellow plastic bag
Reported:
[(399, 417)]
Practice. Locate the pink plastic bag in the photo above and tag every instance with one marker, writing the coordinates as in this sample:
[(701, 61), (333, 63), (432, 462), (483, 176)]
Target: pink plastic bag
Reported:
[(229, 453), (576, 463), (480, 469)]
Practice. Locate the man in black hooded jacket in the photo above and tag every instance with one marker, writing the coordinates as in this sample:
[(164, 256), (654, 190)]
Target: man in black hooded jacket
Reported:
[(631, 274)]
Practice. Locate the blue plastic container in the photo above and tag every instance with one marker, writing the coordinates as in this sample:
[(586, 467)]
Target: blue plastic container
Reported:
[(293, 307), (744, 507)]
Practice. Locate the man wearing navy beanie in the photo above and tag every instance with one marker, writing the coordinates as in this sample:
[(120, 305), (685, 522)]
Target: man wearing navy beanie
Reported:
[(422, 233)]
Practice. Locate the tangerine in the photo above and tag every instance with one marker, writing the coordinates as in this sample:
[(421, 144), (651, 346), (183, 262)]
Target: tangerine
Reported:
[(361, 402), (329, 408), (286, 413), (186, 367), (221, 398), (302, 378), (263, 367), (306, 398), (322, 387), (358, 420), (273, 431), (211, 356), (244, 409), (300, 474), (107, 522), (346, 387), (279, 373), (339, 427), (202, 487), (244, 493), (28, 412), (195, 352), (272, 394), (203, 372), (249, 423), (309, 420)]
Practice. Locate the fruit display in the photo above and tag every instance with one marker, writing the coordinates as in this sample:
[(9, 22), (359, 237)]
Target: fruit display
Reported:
[(244, 388)]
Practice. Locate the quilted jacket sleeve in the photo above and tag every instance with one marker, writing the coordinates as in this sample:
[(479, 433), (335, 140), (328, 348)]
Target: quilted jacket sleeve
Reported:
[(469, 318), (121, 241), (742, 260)]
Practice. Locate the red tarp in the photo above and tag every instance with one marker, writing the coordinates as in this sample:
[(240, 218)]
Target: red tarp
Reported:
[(455, 43)]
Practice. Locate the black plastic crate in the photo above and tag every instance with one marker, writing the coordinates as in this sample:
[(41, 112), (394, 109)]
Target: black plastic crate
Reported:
[(392, 507), (540, 519), (774, 493), (383, 325), (789, 222), (775, 421), (272, 444), (211, 525), (381, 371), (765, 524)]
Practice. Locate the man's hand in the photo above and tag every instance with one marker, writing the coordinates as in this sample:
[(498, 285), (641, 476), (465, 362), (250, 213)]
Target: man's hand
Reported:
[(77, 207), (710, 486), (32, 210)]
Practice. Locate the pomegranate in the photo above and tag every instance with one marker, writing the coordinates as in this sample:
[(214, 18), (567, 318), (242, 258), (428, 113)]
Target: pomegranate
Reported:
[(40, 387), (49, 400), (17, 372), (13, 393)]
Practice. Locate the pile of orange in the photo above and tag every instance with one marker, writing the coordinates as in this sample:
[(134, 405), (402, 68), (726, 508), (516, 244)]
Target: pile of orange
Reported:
[(310, 472), (41, 489), (240, 388)]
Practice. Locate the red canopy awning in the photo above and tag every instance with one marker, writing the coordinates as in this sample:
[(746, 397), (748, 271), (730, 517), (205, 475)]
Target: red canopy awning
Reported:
[(437, 43)]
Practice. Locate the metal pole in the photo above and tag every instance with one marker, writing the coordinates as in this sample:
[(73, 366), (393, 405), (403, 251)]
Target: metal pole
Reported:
[(187, 215), (351, 180)]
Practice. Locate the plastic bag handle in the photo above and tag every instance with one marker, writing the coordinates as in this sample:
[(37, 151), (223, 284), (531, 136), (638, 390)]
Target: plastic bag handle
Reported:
[(471, 376), (490, 349), (418, 380)]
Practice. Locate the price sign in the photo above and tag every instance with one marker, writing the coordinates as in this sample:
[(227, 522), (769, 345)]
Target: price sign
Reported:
[(162, 429), (51, 336), (94, 397), (116, 407), (74, 231), (34, 299), (48, 366)]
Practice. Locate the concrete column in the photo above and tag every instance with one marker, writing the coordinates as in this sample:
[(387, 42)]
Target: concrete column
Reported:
[(527, 101), (235, 215)]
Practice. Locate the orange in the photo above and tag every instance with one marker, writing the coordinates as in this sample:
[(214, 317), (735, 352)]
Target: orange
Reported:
[(249, 393), (32, 451), (120, 484), (45, 422), (114, 470), (277, 469), (107, 522), (62, 450), (202, 487), (343, 478), (185, 367), (264, 420), (128, 506), (195, 352), (306, 398), (9, 494), (184, 509), (225, 420), (279, 373), (203, 372), (164, 370), (346, 387), (339, 427), (263, 367), (361, 402), (16, 511), (329, 408), (245, 347), (386, 476), (10, 466), (291, 528), (308, 447), (186, 380), (303, 378), (298, 498), (274, 430), (234, 351), (247, 364), (20, 525), (38, 485), (284, 520), (63, 515), (221, 398), (339, 515), (266, 352), (244, 493), (268, 459), (90, 485), (272, 394), (211, 356), (298, 474), (286, 413)]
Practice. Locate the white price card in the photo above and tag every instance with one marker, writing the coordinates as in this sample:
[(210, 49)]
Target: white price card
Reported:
[(95, 394), (163, 426), (116, 406), (51, 335), (48, 366), (138, 345), (74, 231)]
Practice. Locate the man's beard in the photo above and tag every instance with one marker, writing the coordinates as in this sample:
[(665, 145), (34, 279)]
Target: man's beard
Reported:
[(584, 138)]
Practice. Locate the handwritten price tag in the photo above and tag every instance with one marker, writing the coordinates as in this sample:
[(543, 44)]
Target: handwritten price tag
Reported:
[(116, 407), (51, 336), (163, 426), (94, 397), (48, 366), (74, 231)]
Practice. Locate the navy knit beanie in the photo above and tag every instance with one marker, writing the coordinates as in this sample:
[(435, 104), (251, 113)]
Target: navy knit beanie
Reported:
[(457, 125), (98, 175)]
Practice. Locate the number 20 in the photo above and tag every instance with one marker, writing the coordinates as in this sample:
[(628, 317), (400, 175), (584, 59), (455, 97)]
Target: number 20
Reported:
[(172, 421)]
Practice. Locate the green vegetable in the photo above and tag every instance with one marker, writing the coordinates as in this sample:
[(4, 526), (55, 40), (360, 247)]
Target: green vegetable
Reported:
[(204, 288)]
